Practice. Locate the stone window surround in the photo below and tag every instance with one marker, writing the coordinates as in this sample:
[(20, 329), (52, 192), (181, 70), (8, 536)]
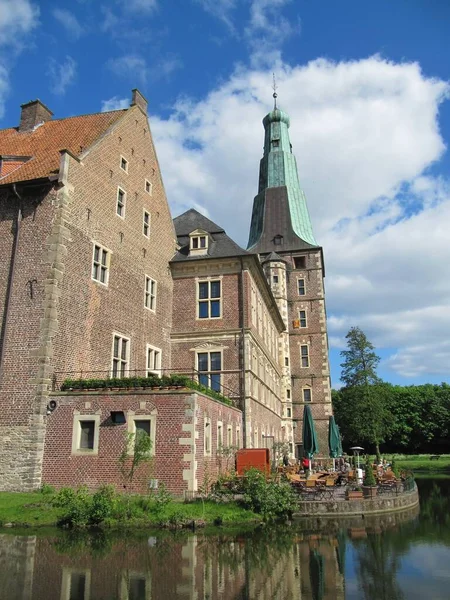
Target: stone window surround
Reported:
[(303, 319), (150, 293), (66, 583), (146, 224), (127, 575), (122, 204), (128, 353), (219, 435), (208, 280), (301, 286), (306, 355), (100, 263), (309, 388), (132, 417), (210, 372), (157, 370), (121, 164), (148, 187), (207, 437), (76, 434)]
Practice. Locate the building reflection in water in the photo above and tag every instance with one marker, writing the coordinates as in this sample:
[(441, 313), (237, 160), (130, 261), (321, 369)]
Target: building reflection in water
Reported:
[(301, 562)]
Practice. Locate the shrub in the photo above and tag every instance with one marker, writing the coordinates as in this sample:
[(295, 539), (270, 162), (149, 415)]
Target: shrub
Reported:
[(102, 505), (46, 489), (76, 505), (369, 477), (270, 499)]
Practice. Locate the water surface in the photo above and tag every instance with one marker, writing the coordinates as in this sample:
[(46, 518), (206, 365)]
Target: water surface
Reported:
[(403, 556)]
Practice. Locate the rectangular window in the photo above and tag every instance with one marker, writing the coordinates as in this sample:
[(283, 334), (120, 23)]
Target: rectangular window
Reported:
[(154, 361), (207, 445), (148, 187), (306, 394), (121, 198), (301, 287), (145, 424), (150, 293), (299, 262), (229, 436), (288, 413), (275, 279), (209, 365), (304, 355), (238, 437), (85, 434), (219, 435), (288, 393), (209, 299), (302, 317), (100, 264), (198, 242), (76, 584), (124, 164), (120, 356), (286, 361), (146, 224)]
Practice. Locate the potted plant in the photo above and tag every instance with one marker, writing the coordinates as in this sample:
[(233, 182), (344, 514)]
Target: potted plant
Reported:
[(355, 494), (370, 483)]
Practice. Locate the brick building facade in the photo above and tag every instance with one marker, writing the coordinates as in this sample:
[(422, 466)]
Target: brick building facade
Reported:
[(97, 281)]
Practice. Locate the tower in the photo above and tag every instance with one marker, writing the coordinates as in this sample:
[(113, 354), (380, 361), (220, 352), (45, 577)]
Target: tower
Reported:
[(281, 234)]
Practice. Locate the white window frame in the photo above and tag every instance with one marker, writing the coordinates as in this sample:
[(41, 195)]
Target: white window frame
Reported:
[(125, 581), (196, 242), (99, 263), (209, 300), (76, 434), (149, 191), (126, 360), (122, 158), (209, 372), (219, 440), (121, 205), (309, 388), (146, 225), (302, 356), (300, 319), (303, 286), (207, 437), (150, 293), (131, 421), (156, 360)]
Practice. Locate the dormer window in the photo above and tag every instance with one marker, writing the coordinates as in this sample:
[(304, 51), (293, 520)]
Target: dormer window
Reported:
[(278, 240), (198, 242)]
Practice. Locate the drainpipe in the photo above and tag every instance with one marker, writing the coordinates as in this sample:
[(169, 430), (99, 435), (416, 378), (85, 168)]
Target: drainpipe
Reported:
[(242, 385), (12, 270)]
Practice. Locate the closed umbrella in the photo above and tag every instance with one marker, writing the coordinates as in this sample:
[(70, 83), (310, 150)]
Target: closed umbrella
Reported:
[(333, 440), (341, 452), (310, 443)]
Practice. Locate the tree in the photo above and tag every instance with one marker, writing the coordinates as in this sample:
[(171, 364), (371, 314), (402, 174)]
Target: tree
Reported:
[(137, 451), (364, 399), (360, 360)]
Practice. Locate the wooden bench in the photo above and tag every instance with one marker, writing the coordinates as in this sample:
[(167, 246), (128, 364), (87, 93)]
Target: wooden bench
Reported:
[(435, 457)]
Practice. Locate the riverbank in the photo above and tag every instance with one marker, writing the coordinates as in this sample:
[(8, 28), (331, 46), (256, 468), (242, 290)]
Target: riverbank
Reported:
[(37, 510), (424, 463)]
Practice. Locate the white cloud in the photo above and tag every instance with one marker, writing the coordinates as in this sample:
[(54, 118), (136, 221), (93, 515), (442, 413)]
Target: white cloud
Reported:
[(144, 6), (69, 21), (220, 9), (130, 66), (17, 18), (115, 103), (364, 133), (62, 75)]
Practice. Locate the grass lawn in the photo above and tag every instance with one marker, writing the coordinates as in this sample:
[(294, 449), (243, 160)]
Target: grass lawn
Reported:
[(35, 509), (423, 463)]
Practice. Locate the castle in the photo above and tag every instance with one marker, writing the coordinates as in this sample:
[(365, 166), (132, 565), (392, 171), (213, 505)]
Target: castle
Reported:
[(98, 282)]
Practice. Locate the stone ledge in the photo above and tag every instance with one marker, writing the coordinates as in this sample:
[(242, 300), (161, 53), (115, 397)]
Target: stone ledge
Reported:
[(346, 508)]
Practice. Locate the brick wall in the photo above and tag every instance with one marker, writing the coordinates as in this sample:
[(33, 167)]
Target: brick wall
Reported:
[(179, 459)]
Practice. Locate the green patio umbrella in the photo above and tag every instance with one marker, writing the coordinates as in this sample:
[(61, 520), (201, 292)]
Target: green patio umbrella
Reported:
[(333, 440), (317, 574), (341, 452), (310, 443)]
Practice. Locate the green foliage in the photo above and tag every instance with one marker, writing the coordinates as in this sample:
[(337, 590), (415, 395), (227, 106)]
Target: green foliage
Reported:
[(360, 360), (270, 499), (395, 468), (76, 506), (369, 477), (142, 382), (136, 452), (46, 489), (103, 504)]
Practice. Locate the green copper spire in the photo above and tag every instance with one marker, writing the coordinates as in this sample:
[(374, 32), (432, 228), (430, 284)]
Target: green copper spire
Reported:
[(278, 168)]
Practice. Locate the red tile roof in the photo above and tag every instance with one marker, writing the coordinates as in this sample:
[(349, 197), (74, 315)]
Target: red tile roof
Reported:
[(44, 143)]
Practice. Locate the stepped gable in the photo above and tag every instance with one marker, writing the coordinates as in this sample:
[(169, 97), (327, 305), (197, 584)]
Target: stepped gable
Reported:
[(220, 244)]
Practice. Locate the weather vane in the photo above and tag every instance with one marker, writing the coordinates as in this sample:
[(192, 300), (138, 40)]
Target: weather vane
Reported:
[(275, 95)]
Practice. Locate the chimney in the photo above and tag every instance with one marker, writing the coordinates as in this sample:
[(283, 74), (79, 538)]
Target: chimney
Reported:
[(33, 113), (137, 99)]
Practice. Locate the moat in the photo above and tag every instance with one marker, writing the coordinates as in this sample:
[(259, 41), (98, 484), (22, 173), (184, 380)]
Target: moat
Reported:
[(386, 557)]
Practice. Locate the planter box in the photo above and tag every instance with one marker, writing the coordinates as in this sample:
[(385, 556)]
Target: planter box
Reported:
[(369, 491), (353, 495)]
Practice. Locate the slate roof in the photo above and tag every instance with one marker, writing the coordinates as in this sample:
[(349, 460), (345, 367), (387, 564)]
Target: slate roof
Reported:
[(273, 257), (220, 245), (44, 143)]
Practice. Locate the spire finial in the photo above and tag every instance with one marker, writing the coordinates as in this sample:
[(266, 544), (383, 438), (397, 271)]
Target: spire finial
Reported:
[(275, 95)]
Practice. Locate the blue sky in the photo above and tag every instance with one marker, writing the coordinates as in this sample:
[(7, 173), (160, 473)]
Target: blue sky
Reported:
[(366, 85)]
